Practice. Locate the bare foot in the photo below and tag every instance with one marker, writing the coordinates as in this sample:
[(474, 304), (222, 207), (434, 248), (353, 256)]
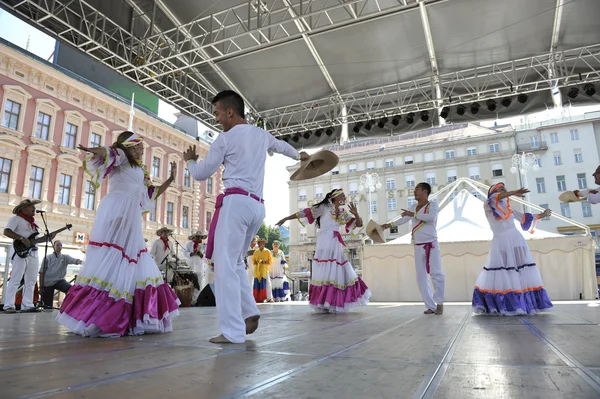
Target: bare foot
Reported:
[(252, 324), (220, 340), (439, 309), (429, 311)]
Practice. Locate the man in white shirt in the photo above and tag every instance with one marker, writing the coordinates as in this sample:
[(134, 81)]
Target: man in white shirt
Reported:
[(428, 259), (161, 250), (242, 149), (593, 196), (54, 275), (20, 227)]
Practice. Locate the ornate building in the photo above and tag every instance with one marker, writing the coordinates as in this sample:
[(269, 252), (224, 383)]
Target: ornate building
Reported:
[(46, 112)]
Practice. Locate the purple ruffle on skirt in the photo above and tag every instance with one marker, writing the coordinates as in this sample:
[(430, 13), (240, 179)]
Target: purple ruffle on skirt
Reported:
[(511, 303), (334, 298)]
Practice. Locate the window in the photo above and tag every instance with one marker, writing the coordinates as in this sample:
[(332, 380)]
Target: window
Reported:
[(389, 163), (95, 140), (545, 206), (169, 213), (373, 206), (471, 151), (581, 180), (335, 171), (394, 230), (541, 185), (156, 166), (408, 160), (5, 168), (474, 173), (185, 216), (410, 180), (557, 160), (450, 175), (70, 136), (42, 130), (187, 181), (35, 182), (554, 138), (497, 170), (411, 201), (574, 134), (64, 189), (318, 192), (302, 195), (390, 183), (208, 220), (392, 204), (538, 161), (209, 185), (495, 147), (353, 188), (428, 157), (561, 183), (534, 141), (352, 168), (430, 178), (565, 209), (303, 234), (152, 214), (586, 209), (450, 154), (370, 165), (578, 155), (11, 115), (89, 202)]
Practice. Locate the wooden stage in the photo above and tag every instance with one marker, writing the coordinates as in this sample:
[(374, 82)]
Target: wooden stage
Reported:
[(386, 350)]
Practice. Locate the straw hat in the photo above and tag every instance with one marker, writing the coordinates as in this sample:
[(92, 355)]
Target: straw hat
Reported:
[(163, 229), (198, 233), (569, 196), (261, 240), (25, 204), (375, 232), (318, 164)]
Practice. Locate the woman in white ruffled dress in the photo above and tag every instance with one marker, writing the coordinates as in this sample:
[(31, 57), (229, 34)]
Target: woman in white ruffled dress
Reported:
[(334, 285), (279, 283), (119, 289)]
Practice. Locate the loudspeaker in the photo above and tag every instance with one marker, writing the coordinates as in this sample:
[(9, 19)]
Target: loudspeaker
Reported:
[(207, 296)]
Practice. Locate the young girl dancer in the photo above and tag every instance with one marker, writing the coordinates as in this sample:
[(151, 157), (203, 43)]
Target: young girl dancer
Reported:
[(119, 289), (334, 285)]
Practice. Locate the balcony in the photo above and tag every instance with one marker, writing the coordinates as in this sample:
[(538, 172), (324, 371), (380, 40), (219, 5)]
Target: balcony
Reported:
[(533, 147)]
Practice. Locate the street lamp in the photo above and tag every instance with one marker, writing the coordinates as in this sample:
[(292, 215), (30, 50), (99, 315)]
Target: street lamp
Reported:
[(369, 181), (524, 163)]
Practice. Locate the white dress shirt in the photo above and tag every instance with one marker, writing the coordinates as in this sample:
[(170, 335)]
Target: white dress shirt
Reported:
[(424, 222)]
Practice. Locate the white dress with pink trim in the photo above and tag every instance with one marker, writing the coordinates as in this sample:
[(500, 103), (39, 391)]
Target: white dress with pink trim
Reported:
[(119, 289), (334, 285)]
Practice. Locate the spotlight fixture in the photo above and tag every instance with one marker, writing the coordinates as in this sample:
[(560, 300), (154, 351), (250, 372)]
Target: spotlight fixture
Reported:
[(573, 92), (445, 112), (506, 102), (491, 105), (296, 137), (424, 116), (589, 89), (318, 132), (368, 125), (522, 98), (357, 127), (382, 122), (461, 109), (329, 131), (306, 134), (396, 120), (285, 138), (410, 118), (475, 108)]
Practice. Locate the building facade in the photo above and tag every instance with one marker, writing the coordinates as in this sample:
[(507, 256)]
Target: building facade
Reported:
[(45, 113)]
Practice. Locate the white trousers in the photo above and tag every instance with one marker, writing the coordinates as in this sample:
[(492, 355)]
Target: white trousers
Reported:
[(269, 288), (29, 268), (239, 220), (437, 276)]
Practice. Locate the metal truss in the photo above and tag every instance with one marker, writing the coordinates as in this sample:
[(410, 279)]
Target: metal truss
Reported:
[(526, 75)]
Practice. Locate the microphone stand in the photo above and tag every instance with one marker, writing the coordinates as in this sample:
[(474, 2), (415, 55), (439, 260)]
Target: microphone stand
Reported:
[(42, 289)]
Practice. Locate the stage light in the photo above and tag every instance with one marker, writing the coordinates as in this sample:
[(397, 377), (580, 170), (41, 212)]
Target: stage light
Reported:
[(445, 112), (410, 118), (506, 102), (475, 108), (461, 109), (296, 137), (306, 134), (329, 131), (318, 132), (491, 105), (396, 120), (589, 89), (382, 122), (424, 116), (368, 125), (573, 92), (285, 138), (357, 127), (522, 98)]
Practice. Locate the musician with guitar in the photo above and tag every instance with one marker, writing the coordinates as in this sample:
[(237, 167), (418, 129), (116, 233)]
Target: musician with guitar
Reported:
[(25, 262)]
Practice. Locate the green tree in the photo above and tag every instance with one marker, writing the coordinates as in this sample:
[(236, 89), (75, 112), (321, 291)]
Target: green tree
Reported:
[(271, 234)]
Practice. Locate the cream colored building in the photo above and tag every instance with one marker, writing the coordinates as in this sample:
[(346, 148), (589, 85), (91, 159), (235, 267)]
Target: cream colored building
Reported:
[(436, 156)]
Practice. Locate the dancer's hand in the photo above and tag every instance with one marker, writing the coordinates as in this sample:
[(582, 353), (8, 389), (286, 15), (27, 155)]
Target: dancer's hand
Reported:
[(173, 171), (83, 148), (592, 191), (406, 212), (190, 154), (304, 156), (352, 209), (546, 213), (386, 226), (521, 192), (282, 221)]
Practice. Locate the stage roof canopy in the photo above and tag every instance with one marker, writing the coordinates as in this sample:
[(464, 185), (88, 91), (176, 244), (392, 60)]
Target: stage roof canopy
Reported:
[(305, 67)]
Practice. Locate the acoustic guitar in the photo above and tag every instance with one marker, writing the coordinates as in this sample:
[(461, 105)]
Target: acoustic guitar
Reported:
[(23, 250)]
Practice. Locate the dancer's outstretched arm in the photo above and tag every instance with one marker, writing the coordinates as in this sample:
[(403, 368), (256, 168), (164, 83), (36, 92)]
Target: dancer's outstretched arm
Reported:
[(163, 187), (293, 216)]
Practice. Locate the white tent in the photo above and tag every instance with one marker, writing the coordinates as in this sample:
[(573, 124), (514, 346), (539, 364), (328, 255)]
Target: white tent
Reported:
[(566, 262)]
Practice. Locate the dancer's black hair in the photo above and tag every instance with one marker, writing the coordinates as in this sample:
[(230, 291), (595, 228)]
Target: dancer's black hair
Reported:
[(326, 201)]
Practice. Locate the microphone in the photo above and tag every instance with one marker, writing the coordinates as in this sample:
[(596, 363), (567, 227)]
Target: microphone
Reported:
[(39, 211)]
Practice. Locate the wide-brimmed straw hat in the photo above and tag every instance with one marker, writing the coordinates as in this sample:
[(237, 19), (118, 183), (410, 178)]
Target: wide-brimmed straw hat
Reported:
[(198, 233), (375, 232), (569, 196), (163, 229), (261, 240), (318, 164), (25, 204)]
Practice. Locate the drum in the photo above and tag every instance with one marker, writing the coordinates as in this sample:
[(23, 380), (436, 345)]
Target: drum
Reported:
[(184, 290)]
